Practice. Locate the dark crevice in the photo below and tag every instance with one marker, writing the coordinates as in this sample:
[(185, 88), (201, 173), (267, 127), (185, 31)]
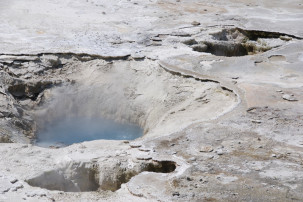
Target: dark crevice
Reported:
[(224, 88), (79, 56), (196, 78), (230, 49), (126, 175), (253, 35), (28, 90), (5, 139), (190, 42), (256, 34), (226, 49), (153, 166), (187, 76), (161, 166), (86, 178), (237, 42)]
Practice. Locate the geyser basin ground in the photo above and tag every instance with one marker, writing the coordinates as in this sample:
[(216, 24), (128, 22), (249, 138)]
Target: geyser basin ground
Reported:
[(67, 131), (139, 92), (253, 153)]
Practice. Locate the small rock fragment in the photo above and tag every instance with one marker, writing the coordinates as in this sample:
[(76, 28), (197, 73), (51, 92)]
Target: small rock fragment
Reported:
[(144, 149), (256, 121), (251, 109), (192, 159), (195, 23), (138, 56), (258, 61), (16, 187), (189, 179), (143, 157), (13, 180), (289, 97), (220, 152), (5, 190), (285, 38), (36, 193), (200, 47), (135, 144), (206, 149)]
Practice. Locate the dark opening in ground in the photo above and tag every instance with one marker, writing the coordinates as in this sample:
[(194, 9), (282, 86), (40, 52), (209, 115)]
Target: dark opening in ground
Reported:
[(229, 49), (28, 90), (84, 177), (63, 132), (124, 175), (254, 35), (161, 166), (225, 49), (236, 42)]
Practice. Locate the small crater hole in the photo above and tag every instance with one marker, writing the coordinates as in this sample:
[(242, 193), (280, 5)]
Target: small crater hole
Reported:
[(161, 166), (75, 178), (85, 177), (237, 42)]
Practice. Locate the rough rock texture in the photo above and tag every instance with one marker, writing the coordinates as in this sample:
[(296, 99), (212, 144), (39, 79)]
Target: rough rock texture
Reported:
[(216, 86)]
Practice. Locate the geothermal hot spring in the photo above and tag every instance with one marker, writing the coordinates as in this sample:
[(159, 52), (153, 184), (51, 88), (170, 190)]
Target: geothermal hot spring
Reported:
[(79, 117), (79, 129)]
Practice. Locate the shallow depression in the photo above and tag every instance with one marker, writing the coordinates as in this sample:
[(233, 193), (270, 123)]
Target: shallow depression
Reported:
[(63, 132), (237, 42)]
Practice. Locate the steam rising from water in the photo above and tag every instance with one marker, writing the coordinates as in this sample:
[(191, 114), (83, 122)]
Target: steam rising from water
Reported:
[(75, 130), (77, 113)]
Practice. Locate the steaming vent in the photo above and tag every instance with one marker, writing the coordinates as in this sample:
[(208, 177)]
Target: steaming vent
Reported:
[(75, 114)]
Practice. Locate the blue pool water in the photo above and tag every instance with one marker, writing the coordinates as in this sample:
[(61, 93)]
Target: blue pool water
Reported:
[(74, 130)]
